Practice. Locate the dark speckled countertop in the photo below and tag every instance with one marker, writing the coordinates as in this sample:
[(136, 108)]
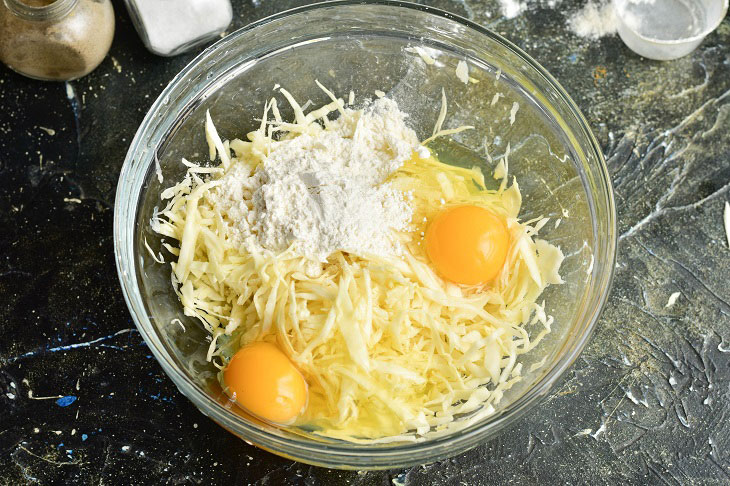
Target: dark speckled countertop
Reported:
[(83, 401)]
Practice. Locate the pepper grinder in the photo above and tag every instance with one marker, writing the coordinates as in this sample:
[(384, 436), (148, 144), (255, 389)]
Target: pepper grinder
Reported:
[(55, 40)]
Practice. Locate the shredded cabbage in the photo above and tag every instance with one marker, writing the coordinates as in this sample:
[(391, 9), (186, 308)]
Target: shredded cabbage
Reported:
[(390, 351)]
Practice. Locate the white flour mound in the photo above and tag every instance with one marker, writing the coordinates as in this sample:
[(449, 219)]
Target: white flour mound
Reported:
[(325, 192), (594, 21)]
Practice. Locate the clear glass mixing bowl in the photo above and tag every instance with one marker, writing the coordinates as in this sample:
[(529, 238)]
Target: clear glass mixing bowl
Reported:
[(361, 47)]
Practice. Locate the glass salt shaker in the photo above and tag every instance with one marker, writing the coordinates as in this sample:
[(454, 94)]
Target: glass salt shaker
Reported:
[(170, 27), (55, 40)]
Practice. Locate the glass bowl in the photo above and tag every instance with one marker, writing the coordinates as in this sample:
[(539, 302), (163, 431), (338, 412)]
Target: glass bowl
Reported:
[(362, 47)]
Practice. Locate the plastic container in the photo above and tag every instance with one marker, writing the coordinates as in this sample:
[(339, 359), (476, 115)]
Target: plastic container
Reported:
[(361, 47), (55, 40), (667, 29)]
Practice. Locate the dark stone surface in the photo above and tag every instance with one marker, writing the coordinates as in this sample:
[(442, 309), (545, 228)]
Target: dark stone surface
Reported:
[(647, 402)]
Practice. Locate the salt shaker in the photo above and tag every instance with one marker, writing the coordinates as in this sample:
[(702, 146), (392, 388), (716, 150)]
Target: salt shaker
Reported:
[(55, 40), (170, 27)]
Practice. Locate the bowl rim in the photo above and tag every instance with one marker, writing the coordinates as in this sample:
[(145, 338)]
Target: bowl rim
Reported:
[(408, 453)]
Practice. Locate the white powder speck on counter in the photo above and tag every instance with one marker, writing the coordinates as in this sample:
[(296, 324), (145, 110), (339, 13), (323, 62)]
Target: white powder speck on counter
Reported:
[(511, 8), (672, 299), (594, 21), (324, 192)]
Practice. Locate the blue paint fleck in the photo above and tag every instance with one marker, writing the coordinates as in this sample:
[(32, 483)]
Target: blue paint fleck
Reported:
[(60, 445), (65, 401), (84, 437), (573, 58), (111, 346)]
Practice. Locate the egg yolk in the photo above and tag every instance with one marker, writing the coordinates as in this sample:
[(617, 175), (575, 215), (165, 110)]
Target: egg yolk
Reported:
[(467, 244), (264, 381)]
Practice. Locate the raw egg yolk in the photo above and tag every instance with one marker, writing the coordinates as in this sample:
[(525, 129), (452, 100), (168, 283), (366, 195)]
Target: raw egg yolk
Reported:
[(264, 381), (467, 244)]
